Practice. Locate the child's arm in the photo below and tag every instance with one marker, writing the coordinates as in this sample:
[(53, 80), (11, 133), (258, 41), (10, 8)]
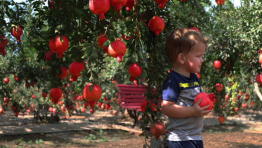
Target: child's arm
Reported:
[(176, 111)]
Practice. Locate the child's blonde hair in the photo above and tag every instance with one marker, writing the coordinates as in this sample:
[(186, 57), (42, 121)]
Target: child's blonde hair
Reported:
[(181, 40)]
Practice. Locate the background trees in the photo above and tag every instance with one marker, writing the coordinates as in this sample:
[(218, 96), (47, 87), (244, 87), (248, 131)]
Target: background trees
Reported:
[(234, 35)]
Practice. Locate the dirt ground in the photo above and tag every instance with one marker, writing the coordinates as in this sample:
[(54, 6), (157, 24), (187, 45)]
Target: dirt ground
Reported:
[(217, 136), (222, 136)]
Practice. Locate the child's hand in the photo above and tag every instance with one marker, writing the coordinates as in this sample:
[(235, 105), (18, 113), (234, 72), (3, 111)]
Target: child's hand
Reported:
[(198, 111)]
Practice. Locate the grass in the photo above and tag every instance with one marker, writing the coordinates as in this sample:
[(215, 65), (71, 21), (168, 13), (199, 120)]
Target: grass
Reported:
[(100, 137), (20, 143)]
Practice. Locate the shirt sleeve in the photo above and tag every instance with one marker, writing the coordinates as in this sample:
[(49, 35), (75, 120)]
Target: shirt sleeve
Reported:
[(170, 90)]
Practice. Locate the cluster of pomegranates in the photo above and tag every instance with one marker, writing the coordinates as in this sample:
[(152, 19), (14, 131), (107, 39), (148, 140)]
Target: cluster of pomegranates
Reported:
[(102, 6)]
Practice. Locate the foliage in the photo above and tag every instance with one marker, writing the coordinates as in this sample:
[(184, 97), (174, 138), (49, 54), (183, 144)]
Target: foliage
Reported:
[(234, 40)]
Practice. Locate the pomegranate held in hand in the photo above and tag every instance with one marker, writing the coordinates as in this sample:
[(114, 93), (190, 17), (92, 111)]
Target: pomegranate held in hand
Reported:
[(206, 99)]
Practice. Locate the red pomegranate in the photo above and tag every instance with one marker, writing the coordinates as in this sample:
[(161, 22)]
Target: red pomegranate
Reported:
[(259, 78), (6, 99), (17, 31), (1, 110), (145, 103), (135, 71), (63, 108), (92, 94), (16, 78), (130, 4), (118, 4), (101, 40), (182, 0), (157, 129), (6, 80), (218, 87), (55, 95), (221, 119), (75, 68), (54, 110), (51, 4), (99, 7), (156, 24), (48, 55), (161, 3), (2, 51), (194, 28), (16, 113), (260, 59), (117, 49), (220, 2), (3, 42), (63, 73), (59, 45), (217, 64), (44, 94), (198, 75), (206, 99)]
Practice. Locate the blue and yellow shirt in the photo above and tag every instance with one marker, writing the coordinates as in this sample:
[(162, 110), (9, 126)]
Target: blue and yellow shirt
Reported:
[(182, 90)]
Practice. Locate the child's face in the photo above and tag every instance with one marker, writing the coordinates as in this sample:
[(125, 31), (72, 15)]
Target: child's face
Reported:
[(194, 58)]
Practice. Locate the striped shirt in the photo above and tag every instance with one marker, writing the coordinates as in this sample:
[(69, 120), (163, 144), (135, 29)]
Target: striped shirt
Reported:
[(182, 90)]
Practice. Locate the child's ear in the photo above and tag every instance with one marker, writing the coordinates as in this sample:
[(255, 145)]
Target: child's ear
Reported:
[(181, 58)]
